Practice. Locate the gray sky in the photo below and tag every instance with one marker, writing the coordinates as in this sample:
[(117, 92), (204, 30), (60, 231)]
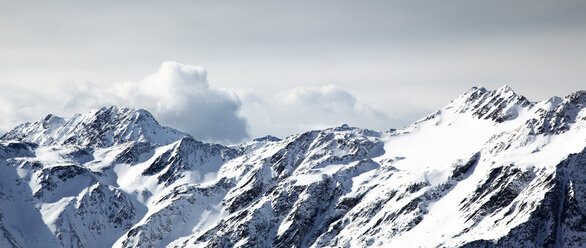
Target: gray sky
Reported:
[(281, 67)]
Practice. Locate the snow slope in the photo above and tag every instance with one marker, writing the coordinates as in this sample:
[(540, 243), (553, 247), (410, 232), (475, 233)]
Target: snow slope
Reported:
[(491, 169)]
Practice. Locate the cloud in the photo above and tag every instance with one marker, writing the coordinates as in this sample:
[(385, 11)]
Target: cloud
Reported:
[(329, 97), (16, 106), (178, 95), (309, 107)]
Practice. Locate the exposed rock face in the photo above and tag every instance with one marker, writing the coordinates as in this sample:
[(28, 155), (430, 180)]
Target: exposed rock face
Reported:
[(499, 105), (491, 169)]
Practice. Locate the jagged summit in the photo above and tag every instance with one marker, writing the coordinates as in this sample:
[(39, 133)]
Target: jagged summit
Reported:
[(267, 138), (505, 106), (557, 113), (499, 105), (505, 89), (102, 127)]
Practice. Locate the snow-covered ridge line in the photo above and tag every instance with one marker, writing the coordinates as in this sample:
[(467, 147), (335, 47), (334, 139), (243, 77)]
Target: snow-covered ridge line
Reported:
[(491, 169), (104, 127)]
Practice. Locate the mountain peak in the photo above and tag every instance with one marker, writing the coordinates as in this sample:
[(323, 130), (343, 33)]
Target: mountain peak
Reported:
[(477, 88), (504, 91), (505, 88), (101, 127), (267, 138), (498, 105), (52, 121), (577, 97)]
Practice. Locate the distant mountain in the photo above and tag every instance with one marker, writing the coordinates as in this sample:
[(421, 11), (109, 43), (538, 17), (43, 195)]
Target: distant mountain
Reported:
[(491, 169), (104, 127)]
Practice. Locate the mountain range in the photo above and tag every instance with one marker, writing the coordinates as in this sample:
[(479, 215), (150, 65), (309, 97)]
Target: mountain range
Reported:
[(490, 169)]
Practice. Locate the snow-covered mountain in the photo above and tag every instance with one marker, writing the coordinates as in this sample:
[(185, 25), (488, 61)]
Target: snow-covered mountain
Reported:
[(103, 127), (491, 169)]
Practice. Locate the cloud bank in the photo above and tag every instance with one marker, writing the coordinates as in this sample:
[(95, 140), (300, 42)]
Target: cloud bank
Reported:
[(305, 108), (180, 96)]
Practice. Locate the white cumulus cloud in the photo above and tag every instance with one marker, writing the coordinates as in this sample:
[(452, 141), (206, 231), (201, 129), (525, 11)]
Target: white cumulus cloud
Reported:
[(178, 95), (305, 108)]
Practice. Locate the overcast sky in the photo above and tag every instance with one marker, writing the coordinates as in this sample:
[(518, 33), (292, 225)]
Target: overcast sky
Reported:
[(243, 69)]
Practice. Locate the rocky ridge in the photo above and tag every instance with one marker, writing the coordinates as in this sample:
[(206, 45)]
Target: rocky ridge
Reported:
[(491, 169)]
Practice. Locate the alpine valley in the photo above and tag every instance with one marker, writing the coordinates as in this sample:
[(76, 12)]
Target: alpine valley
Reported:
[(491, 169)]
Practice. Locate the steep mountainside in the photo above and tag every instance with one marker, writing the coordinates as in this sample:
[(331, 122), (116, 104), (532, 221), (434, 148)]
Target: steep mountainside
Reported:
[(491, 169)]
